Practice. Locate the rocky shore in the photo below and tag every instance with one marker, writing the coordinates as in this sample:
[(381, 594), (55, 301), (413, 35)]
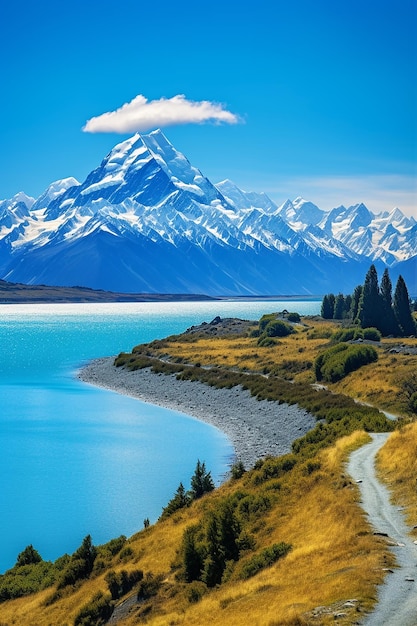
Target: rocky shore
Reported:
[(255, 428)]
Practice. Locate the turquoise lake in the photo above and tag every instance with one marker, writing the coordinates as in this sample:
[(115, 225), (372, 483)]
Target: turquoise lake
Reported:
[(76, 460)]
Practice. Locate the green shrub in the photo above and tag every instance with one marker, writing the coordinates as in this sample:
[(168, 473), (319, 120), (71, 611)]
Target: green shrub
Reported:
[(121, 583), (125, 553), (266, 342), (149, 586), (253, 506), (312, 466), (263, 559), (347, 334), (96, 613), (270, 327), (75, 571), (115, 545), (265, 319), (81, 564), (278, 328), (23, 580), (294, 317), (339, 360), (353, 334), (273, 468), (195, 591), (29, 556), (371, 334), (237, 470)]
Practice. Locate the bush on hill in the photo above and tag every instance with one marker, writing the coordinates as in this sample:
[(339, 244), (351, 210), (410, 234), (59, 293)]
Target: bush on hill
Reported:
[(355, 333), (339, 360)]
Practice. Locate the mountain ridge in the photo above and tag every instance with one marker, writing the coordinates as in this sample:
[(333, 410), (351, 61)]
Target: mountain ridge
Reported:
[(147, 220)]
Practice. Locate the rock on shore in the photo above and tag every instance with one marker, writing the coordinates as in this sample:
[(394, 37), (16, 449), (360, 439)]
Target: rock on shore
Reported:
[(255, 428)]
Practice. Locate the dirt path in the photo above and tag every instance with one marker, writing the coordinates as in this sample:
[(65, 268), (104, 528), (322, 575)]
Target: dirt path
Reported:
[(397, 597)]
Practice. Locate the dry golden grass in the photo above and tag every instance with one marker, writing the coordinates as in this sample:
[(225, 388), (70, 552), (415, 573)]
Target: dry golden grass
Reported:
[(244, 352), (380, 384), (334, 558), (397, 465)]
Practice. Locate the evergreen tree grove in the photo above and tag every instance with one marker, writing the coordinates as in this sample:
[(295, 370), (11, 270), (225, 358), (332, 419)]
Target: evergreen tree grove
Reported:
[(372, 306)]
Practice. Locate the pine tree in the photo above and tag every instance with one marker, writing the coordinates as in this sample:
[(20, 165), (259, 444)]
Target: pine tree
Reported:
[(402, 309), (354, 307), (201, 481), (87, 553), (339, 307), (327, 308), (29, 556), (180, 500), (332, 301), (369, 313), (229, 530), (388, 323), (193, 562), (214, 563), (348, 306)]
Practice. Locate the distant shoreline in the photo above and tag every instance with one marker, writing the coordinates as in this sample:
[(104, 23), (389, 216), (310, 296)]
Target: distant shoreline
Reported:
[(20, 293), (255, 428)]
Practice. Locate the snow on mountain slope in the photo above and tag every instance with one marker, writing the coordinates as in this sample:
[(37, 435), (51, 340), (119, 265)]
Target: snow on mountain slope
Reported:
[(147, 220), (245, 199), (300, 213)]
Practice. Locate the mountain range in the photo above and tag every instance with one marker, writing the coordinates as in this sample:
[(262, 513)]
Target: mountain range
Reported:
[(146, 220)]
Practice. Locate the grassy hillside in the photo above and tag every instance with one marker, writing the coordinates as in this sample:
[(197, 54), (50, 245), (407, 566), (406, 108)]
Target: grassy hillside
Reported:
[(305, 501), (334, 557)]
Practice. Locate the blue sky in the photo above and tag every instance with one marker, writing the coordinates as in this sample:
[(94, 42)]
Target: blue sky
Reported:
[(321, 95)]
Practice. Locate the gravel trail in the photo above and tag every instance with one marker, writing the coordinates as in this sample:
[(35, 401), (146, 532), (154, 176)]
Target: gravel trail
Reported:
[(257, 429), (397, 596)]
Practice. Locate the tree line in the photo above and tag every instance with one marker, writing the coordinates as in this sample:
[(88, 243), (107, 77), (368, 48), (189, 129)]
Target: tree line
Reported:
[(372, 305)]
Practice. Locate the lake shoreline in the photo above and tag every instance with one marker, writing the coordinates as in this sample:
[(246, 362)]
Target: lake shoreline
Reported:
[(255, 428)]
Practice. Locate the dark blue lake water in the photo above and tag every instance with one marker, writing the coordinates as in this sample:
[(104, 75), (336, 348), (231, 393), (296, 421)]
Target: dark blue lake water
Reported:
[(76, 460)]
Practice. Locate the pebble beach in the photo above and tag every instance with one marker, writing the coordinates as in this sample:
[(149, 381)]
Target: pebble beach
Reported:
[(255, 428)]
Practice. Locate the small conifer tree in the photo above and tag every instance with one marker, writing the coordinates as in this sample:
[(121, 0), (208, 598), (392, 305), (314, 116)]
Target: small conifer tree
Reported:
[(180, 500), (28, 556), (201, 481)]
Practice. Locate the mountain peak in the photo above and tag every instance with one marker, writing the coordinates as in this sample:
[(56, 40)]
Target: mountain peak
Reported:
[(21, 196), (147, 220)]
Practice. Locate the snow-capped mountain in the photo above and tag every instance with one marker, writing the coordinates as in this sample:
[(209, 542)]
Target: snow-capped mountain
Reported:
[(147, 220)]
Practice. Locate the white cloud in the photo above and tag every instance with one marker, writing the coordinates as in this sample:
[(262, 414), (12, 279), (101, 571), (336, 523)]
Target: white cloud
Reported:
[(141, 114)]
